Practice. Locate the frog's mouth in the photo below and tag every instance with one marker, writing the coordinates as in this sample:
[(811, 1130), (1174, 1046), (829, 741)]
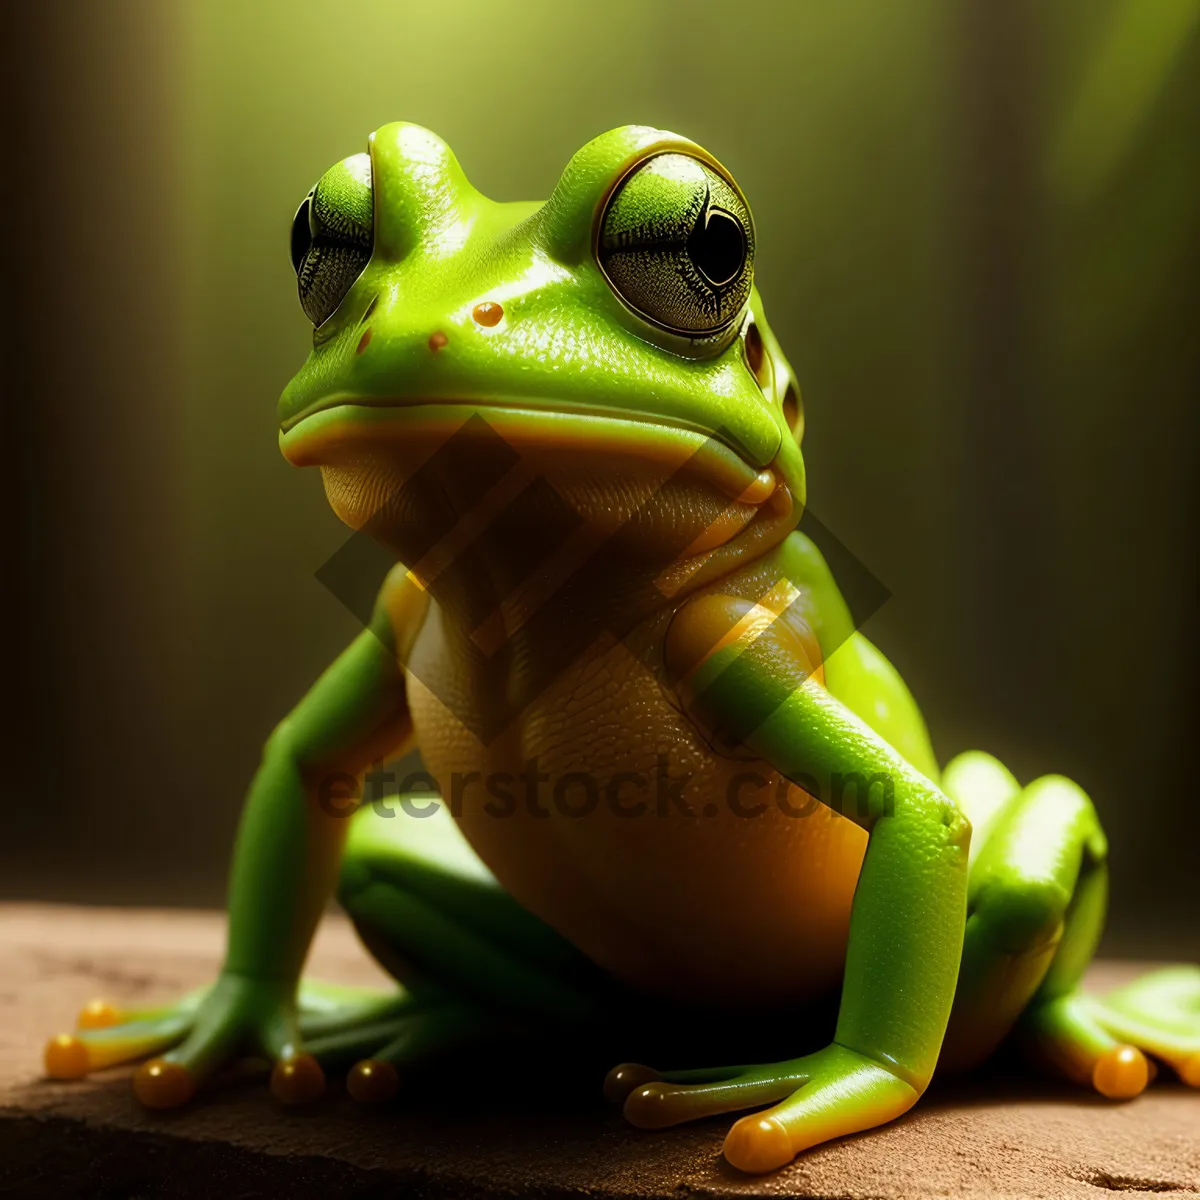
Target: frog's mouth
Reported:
[(344, 427)]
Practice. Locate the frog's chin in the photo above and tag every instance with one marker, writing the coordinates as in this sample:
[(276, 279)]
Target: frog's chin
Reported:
[(679, 500), (418, 431)]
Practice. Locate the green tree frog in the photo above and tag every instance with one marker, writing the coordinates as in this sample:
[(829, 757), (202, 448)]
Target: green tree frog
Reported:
[(687, 811)]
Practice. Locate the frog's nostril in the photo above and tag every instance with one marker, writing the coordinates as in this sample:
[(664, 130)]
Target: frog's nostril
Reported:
[(488, 313), (437, 341), (755, 354), (791, 406), (364, 341)]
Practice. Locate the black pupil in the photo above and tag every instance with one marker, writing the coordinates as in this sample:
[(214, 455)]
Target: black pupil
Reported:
[(717, 246), (301, 234)]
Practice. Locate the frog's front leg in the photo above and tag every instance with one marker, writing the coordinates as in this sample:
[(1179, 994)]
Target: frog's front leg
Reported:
[(474, 965), (285, 869), (746, 673)]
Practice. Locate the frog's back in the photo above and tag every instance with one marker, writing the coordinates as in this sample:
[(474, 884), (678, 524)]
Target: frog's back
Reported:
[(604, 851)]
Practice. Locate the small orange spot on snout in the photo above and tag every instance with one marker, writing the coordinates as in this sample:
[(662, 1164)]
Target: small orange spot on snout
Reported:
[(488, 313), (364, 341), (437, 341)]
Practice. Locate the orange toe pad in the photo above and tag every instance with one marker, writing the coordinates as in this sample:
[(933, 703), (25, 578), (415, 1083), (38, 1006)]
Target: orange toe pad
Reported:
[(622, 1080), (162, 1084), (66, 1057), (1189, 1070), (98, 1014), (758, 1144), (298, 1080), (1121, 1073), (372, 1082)]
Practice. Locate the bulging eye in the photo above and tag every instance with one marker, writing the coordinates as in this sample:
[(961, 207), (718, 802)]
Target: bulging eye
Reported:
[(676, 243), (332, 235)]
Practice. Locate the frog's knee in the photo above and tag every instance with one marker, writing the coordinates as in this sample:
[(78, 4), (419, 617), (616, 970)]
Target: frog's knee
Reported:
[(1020, 913)]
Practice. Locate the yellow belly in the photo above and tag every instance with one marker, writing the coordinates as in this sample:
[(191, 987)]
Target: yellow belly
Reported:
[(745, 902)]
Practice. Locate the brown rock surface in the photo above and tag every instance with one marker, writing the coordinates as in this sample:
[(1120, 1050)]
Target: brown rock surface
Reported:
[(998, 1137)]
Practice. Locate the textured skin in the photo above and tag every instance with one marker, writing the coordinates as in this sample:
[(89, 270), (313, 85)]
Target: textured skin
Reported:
[(664, 903), (662, 441)]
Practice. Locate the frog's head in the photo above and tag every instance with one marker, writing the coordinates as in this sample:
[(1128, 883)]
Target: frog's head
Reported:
[(611, 334)]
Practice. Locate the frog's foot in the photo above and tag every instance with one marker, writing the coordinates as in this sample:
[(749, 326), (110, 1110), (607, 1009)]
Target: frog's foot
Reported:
[(384, 1037), (1103, 1042), (834, 1092), (107, 1036), (408, 1040)]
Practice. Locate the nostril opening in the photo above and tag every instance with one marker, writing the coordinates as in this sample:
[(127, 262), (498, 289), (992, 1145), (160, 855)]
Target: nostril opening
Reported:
[(755, 354), (791, 406)]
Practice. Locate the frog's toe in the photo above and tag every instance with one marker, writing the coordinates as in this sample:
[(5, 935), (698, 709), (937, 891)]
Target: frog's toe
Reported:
[(87, 1049), (624, 1078), (372, 1081), (297, 1079), (66, 1057), (1121, 1073), (758, 1144), (99, 1014), (161, 1083), (1188, 1069), (653, 1099), (671, 1101)]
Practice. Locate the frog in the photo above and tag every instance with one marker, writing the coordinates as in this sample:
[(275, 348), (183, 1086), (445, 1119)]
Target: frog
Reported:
[(674, 806)]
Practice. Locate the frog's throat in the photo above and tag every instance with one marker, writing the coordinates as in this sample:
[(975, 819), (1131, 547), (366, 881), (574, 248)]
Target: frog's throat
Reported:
[(372, 444), (324, 436)]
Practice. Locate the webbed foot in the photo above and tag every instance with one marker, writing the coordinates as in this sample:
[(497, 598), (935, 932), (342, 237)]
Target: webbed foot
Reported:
[(409, 1039), (1103, 1041), (186, 1042), (825, 1095)]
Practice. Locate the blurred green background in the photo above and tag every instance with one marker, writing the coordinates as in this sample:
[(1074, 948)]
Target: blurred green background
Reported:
[(979, 233)]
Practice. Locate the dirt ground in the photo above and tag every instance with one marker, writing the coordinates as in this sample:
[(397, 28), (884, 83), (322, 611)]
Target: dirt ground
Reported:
[(1004, 1136)]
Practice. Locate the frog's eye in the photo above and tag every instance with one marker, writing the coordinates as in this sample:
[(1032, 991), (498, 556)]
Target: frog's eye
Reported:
[(676, 243), (332, 235)]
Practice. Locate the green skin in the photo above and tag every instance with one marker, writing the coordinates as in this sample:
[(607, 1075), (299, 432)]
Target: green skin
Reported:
[(957, 939)]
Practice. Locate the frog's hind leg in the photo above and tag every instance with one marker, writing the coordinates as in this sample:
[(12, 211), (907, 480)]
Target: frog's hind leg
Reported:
[(1036, 901), (472, 961)]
